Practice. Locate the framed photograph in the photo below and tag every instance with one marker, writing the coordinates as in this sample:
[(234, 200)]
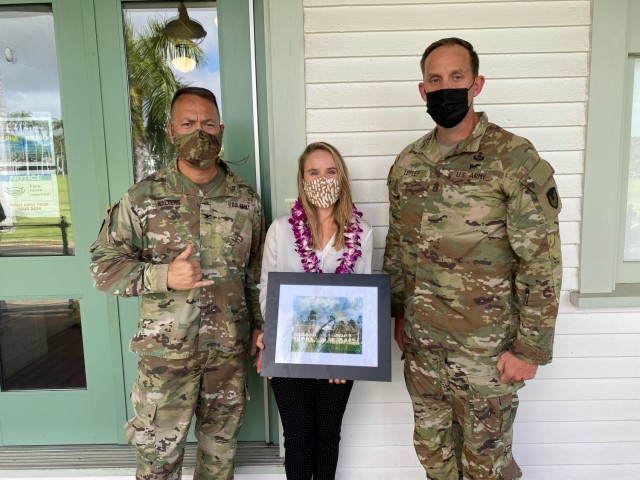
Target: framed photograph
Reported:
[(327, 325)]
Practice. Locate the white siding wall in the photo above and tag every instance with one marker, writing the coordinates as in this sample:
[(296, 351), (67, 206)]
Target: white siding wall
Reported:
[(581, 417)]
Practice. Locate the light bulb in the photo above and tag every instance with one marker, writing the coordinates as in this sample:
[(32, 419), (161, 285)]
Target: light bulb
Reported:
[(183, 64)]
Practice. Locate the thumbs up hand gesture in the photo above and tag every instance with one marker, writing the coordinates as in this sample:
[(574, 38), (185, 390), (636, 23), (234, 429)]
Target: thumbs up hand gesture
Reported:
[(185, 274)]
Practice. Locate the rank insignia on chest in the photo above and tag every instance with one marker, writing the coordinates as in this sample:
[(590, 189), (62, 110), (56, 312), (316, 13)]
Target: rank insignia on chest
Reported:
[(477, 161)]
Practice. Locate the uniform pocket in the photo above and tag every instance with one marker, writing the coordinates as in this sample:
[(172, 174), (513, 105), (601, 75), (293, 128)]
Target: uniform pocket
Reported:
[(238, 242), (492, 415), (493, 405), (140, 431)]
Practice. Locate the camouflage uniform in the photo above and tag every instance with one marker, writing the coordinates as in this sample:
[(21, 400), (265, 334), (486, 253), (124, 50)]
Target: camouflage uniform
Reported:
[(473, 251), (192, 344)]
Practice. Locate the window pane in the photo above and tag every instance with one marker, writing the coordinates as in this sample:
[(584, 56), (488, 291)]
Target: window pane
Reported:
[(157, 67), (632, 236), (41, 345), (35, 216)]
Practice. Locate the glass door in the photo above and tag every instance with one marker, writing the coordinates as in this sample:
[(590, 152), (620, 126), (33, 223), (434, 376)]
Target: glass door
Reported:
[(142, 68), (60, 381)]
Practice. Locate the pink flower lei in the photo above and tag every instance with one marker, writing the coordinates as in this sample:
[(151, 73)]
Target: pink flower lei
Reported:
[(304, 242)]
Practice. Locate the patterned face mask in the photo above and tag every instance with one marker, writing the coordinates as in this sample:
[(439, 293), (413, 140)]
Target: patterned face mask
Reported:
[(199, 148), (322, 192)]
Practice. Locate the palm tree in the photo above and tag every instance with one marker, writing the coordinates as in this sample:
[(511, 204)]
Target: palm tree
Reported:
[(58, 146), (151, 87)]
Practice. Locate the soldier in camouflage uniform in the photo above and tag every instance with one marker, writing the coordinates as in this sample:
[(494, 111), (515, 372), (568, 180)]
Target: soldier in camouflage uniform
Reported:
[(473, 252), (188, 240)]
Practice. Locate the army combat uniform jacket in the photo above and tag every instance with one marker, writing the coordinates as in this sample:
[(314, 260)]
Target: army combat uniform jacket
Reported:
[(473, 248), (151, 225)]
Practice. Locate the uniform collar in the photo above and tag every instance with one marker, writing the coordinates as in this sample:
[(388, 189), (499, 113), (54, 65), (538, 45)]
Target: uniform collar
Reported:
[(428, 145), (178, 182)]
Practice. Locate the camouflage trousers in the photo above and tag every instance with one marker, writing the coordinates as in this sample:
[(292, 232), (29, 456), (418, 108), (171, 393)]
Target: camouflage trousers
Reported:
[(463, 416), (167, 393)]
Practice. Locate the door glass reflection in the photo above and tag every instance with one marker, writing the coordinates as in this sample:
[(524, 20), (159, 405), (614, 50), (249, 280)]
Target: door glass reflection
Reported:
[(41, 345), (157, 66), (632, 231), (35, 216)]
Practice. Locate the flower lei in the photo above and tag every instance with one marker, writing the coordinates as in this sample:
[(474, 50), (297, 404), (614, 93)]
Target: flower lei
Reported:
[(304, 242)]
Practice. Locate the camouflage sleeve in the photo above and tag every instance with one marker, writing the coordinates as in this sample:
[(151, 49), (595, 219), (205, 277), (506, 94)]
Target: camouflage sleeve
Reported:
[(116, 264), (532, 225), (392, 262), (252, 278)]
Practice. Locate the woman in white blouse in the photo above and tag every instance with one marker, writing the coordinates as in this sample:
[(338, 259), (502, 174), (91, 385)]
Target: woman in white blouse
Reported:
[(323, 233)]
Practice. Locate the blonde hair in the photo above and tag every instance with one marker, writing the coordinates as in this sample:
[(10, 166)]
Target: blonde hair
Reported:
[(342, 209)]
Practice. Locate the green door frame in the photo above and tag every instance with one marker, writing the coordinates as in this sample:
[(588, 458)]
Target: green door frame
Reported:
[(94, 95), (71, 416)]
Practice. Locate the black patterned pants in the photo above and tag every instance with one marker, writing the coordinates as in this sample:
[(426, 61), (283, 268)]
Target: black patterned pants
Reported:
[(311, 411)]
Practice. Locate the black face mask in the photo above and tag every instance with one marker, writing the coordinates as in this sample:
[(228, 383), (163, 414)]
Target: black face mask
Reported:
[(448, 106)]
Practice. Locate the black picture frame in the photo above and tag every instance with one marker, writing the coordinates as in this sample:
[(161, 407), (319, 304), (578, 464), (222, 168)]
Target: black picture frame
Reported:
[(303, 340)]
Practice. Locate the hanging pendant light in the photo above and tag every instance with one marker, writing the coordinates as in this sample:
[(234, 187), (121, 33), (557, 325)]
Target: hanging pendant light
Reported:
[(184, 27), (184, 31)]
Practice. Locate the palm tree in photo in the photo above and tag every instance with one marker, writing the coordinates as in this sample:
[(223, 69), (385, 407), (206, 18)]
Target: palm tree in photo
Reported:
[(151, 87)]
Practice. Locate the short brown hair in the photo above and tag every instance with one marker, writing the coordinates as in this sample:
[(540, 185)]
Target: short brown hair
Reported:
[(475, 61), (197, 91)]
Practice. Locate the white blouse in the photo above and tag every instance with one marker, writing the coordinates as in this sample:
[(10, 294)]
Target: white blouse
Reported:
[(280, 254)]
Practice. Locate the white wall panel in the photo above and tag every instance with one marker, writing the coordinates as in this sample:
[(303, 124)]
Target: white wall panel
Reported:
[(578, 411), (370, 167), (391, 143), (529, 411), (412, 44), (377, 214), (376, 263), (403, 68), (376, 435), (527, 433), (384, 119), (603, 345), (581, 472), (580, 389), (551, 453), (570, 232), (326, 3), (571, 208), (499, 91), (379, 236), (565, 162), (581, 417), (599, 322), (430, 17), (378, 413), (593, 366)]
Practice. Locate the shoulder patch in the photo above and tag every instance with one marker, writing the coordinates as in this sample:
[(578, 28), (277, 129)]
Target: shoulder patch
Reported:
[(552, 196), (540, 181), (539, 175)]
